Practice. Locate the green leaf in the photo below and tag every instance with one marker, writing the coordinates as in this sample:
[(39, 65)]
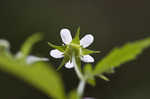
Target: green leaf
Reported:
[(88, 73), (103, 77), (40, 75), (60, 48), (27, 46), (121, 55), (110, 71), (87, 51), (88, 69), (73, 95), (91, 81)]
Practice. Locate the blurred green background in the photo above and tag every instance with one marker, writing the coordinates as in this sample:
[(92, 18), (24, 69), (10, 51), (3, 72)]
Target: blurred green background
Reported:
[(112, 22)]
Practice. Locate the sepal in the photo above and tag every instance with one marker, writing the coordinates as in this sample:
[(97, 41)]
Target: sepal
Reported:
[(76, 40), (104, 77), (60, 48), (87, 51)]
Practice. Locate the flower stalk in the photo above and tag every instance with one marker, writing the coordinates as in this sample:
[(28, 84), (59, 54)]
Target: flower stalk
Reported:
[(81, 86), (78, 72)]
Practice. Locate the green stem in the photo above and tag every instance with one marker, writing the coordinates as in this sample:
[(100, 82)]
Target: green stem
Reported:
[(78, 72), (82, 83), (81, 87)]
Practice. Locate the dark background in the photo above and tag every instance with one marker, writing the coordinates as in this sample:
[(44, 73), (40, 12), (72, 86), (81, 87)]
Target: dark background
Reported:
[(112, 22)]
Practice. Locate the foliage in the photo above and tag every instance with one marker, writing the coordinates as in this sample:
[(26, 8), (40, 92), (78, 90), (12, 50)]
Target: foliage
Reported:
[(28, 44), (42, 76), (121, 55)]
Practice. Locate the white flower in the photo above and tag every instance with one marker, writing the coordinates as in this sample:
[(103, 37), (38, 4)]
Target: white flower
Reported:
[(66, 37), (4, 43), (31, 59)]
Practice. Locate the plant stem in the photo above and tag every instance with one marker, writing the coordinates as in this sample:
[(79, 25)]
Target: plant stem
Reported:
[(81, 87), (82, 83), (78, 72)]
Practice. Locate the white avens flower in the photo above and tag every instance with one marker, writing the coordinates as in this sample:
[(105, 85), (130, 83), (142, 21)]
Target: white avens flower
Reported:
[(66, 37), (31, 59), (4, 43)]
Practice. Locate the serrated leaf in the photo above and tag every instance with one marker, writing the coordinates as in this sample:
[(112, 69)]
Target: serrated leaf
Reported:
[(40, 75), (27, 46), (60, 48), (121, 55)]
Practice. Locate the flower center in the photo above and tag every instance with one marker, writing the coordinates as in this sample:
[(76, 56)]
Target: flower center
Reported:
[(76, 48)]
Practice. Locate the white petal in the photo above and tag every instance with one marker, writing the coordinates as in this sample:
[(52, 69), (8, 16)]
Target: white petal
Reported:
[(4, 43), (56, 53), (69, 65), (86, 40), (18, 55), (87, 58), (66, 36), (32, 59)]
